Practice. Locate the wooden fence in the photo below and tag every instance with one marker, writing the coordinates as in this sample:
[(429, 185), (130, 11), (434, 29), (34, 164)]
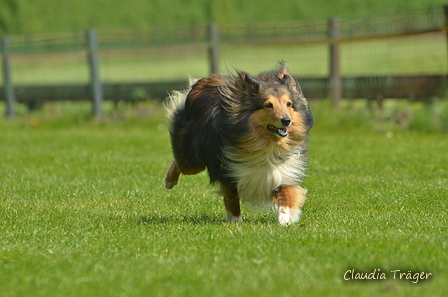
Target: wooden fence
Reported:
[(333, 34)]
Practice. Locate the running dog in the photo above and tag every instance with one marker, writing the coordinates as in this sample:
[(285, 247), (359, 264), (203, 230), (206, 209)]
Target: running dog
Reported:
[(250, 133)]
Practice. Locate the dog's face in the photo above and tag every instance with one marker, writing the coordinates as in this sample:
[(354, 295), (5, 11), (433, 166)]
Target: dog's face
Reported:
[(277, 113), (280, 112)]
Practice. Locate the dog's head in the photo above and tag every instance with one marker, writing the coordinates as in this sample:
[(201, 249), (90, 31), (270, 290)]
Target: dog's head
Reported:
[(279, 109)]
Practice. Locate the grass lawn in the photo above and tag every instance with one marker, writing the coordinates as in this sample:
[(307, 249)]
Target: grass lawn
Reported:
[(83, 212)]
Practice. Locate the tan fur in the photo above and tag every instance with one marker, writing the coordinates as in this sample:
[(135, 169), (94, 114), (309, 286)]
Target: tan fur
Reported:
[(262, 138), (231, 200), (172, 176), (290, 196)]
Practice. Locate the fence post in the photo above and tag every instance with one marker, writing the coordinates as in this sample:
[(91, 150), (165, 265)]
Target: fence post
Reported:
[(95, 82), (445, 9), (8, 88), (213, 48), (335, 70)]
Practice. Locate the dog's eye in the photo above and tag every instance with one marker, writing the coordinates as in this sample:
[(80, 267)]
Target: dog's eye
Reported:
[(269, 105), (289, 104)]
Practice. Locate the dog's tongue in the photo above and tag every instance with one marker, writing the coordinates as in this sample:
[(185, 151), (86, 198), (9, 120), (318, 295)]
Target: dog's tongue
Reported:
[(283, 132)]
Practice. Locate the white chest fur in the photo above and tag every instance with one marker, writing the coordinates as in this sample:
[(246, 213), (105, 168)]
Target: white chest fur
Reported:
[(260, 174)]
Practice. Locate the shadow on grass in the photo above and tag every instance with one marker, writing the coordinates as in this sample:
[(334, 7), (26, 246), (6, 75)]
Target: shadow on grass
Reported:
[(186, 219), (202, 220)]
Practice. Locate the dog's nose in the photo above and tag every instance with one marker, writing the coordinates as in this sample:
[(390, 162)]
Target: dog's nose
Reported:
[(286, 121)]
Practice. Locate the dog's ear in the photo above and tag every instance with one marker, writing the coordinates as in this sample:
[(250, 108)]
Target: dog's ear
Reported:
[(288, 81), (291, 83), (282, 70), (249, 82)]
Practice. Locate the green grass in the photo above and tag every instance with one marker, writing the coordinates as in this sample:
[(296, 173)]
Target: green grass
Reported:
[(83, 212)]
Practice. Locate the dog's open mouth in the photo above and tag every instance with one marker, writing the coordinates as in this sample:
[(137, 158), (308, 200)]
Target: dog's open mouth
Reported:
[(282, 132)]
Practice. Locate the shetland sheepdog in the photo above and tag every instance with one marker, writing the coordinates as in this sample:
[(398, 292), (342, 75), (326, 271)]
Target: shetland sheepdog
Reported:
[(250, 133)]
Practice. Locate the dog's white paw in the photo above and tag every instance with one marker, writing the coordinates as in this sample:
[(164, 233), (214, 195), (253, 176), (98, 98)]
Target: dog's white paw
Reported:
[(287, 216), (233, 219)]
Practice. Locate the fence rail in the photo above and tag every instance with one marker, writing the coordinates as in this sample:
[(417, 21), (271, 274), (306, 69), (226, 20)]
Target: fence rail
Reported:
[(99, 58)]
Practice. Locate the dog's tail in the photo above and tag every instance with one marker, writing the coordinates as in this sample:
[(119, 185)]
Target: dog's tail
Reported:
[(176, 100), (175, 105)]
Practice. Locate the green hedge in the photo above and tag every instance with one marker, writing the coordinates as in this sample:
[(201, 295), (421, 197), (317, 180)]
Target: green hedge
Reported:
[(30, 16)]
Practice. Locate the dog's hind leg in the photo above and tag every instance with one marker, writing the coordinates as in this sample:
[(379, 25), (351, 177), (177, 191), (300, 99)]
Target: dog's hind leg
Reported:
[(172, 176), (231, 202), (175, 169), (288, 201)]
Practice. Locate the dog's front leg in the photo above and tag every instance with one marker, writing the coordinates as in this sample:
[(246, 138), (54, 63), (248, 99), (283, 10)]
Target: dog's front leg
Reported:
[(288, 201), (231, 202)]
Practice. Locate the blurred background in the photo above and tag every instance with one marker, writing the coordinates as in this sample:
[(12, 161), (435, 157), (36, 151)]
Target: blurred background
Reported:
[(139, 50)]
